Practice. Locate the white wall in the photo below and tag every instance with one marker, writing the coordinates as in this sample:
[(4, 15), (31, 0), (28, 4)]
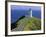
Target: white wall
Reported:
[(2, 17)]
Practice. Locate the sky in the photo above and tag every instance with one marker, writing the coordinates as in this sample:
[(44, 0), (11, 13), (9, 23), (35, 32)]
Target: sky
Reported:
[(25, 7)]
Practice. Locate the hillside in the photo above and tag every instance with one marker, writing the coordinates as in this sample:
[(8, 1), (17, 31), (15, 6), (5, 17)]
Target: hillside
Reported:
[(27, 24)]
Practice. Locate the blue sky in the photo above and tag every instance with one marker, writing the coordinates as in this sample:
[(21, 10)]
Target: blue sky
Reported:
[(25, 7)]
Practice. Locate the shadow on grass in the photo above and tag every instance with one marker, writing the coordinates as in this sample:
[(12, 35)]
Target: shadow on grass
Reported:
[(14, 25)]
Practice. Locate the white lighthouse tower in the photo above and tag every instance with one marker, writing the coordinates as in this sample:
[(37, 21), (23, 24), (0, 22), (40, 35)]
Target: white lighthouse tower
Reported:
[(29, 13)]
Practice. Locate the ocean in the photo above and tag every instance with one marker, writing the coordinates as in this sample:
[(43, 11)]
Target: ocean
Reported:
[(16, 14)]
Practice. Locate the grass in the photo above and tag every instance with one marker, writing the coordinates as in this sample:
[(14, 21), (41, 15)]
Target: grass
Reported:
[(30, 23)]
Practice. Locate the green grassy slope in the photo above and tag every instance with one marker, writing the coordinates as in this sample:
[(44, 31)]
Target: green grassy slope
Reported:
[(30, 23)]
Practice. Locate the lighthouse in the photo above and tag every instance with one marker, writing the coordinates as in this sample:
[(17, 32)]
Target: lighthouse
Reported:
[(28, 13), (31, 13)]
